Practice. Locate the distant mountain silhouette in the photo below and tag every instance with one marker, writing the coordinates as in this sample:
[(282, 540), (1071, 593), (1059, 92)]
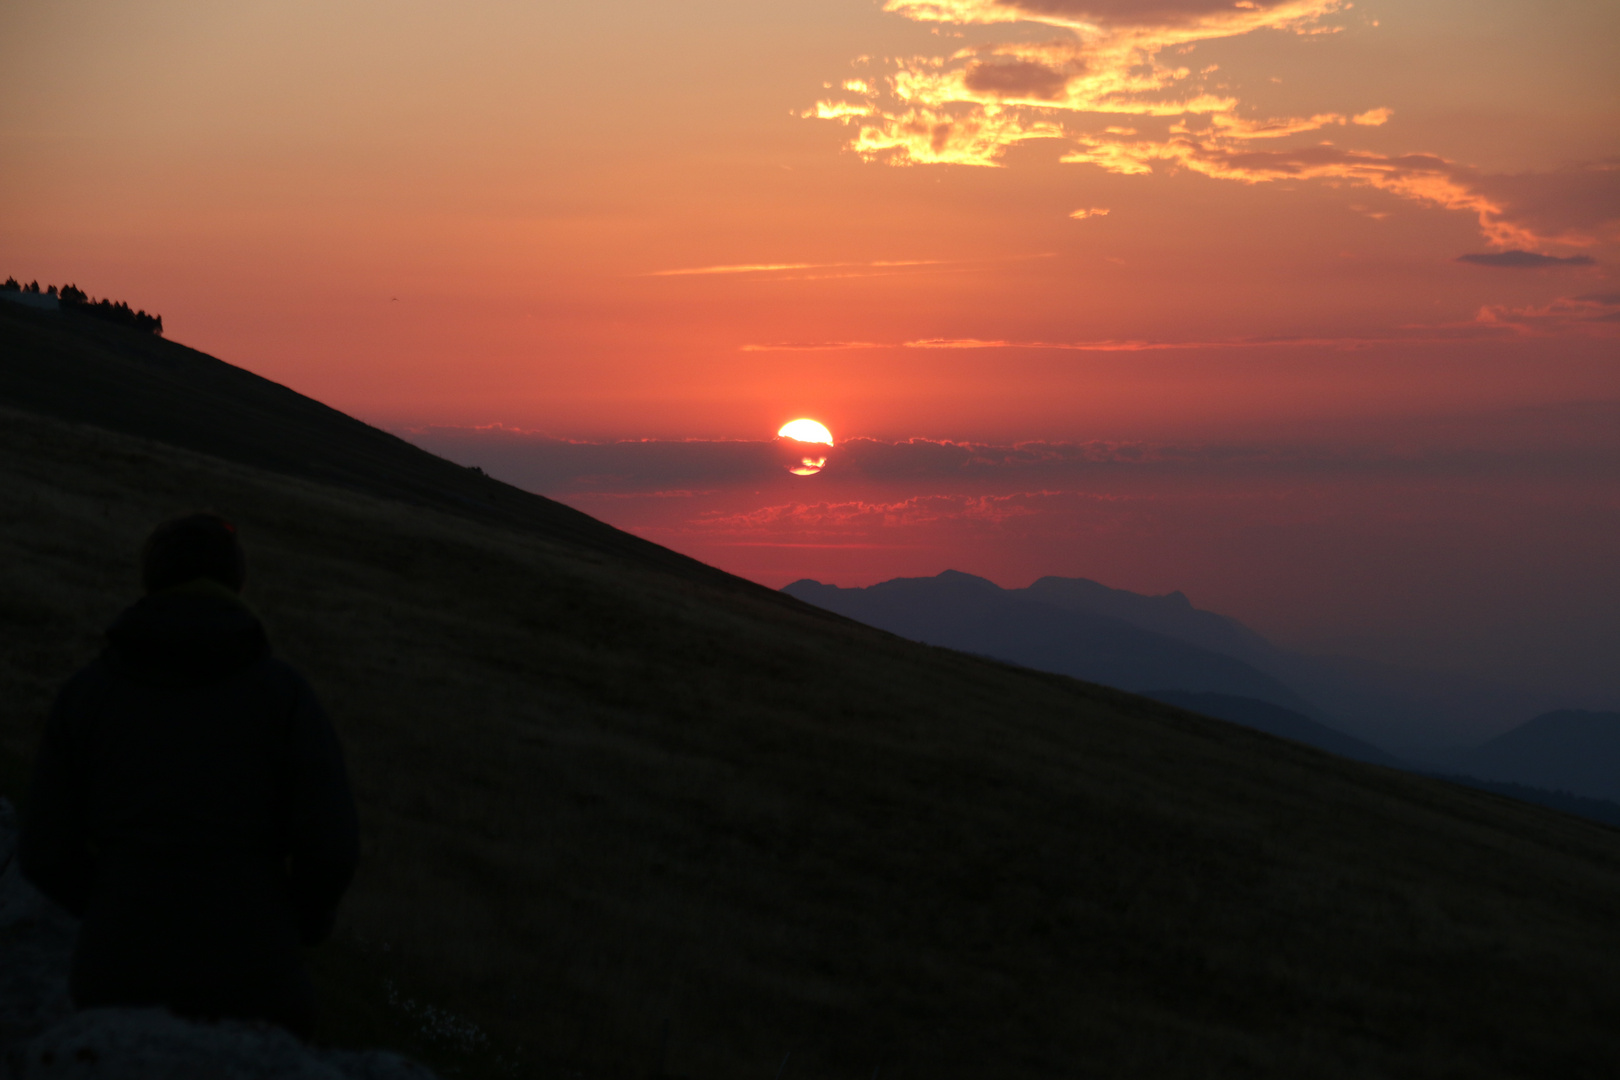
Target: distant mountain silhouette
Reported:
[(1276, 720), (1408, 710), (969, 613), (1569, 750), (1380, 703), (1172, 615)]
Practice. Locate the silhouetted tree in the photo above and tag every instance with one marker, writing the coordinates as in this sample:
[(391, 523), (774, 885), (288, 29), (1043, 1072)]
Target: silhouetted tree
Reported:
[(114, 312), (71, 296)]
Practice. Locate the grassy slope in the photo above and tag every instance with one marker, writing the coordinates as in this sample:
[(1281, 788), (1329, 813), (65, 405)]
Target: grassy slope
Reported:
[(615, 814), (79, 368)]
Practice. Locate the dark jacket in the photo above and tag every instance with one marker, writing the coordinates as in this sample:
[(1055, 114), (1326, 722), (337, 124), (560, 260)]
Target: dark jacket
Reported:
[(189, 803)]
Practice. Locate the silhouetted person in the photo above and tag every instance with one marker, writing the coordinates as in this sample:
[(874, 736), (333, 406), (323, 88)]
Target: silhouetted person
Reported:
[(189, 801)]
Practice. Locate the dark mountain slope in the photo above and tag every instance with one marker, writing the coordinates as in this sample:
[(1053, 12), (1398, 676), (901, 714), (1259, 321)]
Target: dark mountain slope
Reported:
[(1603, 810), (1276, 720), (969, 613), (1171, 615), (1572, 750), (629, 823), (72, 366)]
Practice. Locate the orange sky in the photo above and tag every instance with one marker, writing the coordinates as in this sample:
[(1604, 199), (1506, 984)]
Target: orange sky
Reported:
[(1003, 220)]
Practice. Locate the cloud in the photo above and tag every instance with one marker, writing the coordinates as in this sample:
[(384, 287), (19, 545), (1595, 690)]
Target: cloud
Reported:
[(1476, 329), (1578, 205), (969, 108), (1593, 314), (810, 521), (1095, 211), (1114, 58), (795, 271), (1015, 79), (1237, 127), (1426, 178), (1584, 438), (768, 268), (1107, 345), (1524, 260), (1090, 14)]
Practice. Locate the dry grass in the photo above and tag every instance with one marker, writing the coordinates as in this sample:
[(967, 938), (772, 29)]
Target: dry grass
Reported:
[(627, 822)]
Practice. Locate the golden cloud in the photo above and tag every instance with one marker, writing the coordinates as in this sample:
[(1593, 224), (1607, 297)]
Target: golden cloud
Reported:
[(1104, 59), (1423, 178)]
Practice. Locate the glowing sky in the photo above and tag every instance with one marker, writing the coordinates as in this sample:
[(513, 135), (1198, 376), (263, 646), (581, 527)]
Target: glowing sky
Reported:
[(1319, 237)]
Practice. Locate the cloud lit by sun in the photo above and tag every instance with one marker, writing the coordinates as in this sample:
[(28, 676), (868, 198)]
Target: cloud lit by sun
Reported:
[(1102, 59), (808, 466)]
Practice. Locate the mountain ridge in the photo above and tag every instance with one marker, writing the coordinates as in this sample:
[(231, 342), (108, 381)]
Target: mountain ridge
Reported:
[(1407, 712), (1575, 750), (975, 615), (69, 365)]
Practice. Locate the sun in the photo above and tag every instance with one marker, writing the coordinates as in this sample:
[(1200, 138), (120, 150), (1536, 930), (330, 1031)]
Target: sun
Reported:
[(805, 431), (798, 433)]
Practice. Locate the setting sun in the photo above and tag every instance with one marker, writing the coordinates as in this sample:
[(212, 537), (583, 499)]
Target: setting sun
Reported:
[(806, 431)]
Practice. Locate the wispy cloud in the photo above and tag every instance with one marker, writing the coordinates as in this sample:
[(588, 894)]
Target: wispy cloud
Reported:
[(1579, 311), (798, 271), (769, 268), (1524, 260), (836, 519), (1110, 345), (1113, 58), (1597, 312)]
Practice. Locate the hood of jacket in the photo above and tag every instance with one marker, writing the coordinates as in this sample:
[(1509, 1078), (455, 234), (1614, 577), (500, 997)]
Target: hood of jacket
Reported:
[(196, 633)]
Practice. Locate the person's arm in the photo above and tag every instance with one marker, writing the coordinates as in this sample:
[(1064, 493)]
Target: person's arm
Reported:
[(325, 830), (54, 850)]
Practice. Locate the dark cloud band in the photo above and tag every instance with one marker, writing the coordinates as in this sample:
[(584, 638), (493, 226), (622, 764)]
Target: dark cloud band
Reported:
[(1584, 438), (1524, 260)]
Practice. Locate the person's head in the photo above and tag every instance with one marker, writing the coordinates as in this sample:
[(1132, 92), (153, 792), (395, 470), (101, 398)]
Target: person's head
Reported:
[(192, 547)]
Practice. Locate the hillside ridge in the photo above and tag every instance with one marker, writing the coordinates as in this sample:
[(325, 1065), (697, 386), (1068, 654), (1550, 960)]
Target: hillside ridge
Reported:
[(69, 365)]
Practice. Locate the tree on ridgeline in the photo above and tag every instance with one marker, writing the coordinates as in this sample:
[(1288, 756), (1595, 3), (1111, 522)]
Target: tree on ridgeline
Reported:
[(76, 299)]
